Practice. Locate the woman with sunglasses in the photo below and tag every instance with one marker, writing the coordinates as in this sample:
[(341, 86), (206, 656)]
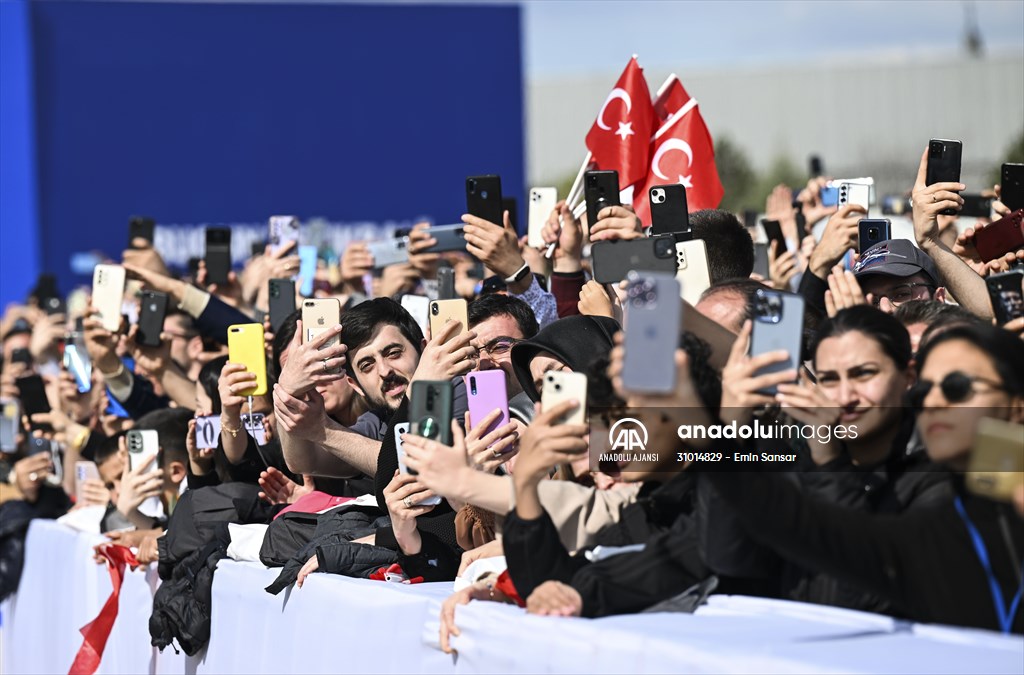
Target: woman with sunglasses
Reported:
[(958, 562)]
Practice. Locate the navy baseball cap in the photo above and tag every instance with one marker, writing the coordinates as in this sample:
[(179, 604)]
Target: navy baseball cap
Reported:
[(896, 258)]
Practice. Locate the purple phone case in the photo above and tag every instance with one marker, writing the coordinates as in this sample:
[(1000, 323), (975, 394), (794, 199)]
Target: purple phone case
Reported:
[(486, 391)]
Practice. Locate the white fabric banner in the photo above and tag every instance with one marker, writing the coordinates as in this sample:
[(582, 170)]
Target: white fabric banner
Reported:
[(335, 625)]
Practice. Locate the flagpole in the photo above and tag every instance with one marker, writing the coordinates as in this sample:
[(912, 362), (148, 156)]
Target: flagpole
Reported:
[(577, 184), (690, 105)]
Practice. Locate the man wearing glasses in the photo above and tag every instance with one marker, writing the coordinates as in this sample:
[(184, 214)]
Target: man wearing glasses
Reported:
[(894, 272), (500, 321)]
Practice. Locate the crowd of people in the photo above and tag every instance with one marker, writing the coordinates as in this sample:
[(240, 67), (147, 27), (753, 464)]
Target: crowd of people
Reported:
[(899, 340)]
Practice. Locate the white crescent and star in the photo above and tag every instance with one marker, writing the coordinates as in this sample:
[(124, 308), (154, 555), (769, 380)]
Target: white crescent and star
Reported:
[(673, 144), (620, 93)]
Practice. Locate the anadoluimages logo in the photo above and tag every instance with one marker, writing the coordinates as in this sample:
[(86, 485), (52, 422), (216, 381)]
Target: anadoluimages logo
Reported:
[(628, 435)]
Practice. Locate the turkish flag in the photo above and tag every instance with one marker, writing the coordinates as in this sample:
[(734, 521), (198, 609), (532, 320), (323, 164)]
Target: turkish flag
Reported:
[(682, 152), (620, 138), (671, 97)]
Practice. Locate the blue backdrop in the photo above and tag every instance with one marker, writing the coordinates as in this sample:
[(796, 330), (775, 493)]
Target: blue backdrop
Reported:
[(207, 113)]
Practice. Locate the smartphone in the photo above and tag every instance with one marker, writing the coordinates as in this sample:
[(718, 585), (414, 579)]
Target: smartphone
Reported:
[(996, 467), (430, 410), (245, 345), (1007, 295), (389, 252), (652, 317), (976, 206), (32, 393), (77, 362), (761, 266), (562, 385), (1011, 186), (218, 254), (1002, 236), (669, 213), (318, 316), (10, 424), (282, 231), (418, 307), (403, 428), (483, 198), (84, 471), (612, 261), (542, 203), (307, 269), (486, 392), (871, 231), (282, 301), (253, 423), (829, 195), (207, 432), (773, 232), (815, 167), (22, 355), (600, 190), (448, 238), (511, 204), (40, 445), (692, 271), (778, 324), (855, 193), (944, 165), (443, 310), (140, 227), (108, 295), (445, 281), (151, 318), (143, 447)]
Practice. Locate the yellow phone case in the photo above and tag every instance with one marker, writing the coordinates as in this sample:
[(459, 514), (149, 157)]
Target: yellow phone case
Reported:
[(245, 345)]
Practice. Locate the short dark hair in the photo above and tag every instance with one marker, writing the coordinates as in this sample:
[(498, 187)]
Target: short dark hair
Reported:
[(928, 312), (1004, 348), (742, 286), (883, 328), (946, 321), (171, 426), (730, 247), (107, 448), (363, 321), (209, 379), (283, 337), (498, 304)]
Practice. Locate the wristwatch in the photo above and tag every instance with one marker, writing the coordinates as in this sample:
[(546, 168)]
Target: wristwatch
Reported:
[(519, 275)]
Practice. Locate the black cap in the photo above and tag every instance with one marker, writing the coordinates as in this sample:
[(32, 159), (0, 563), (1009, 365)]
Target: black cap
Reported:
[(896, 258)]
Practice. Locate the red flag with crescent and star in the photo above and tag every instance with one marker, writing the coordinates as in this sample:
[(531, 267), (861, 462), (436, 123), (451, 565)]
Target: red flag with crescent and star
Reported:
[(671, 97), (620, 138), (682, 152)]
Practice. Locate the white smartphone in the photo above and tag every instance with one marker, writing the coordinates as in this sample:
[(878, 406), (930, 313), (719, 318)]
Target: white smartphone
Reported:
[(692, 270), (542, 202), (143, 447), (855, 193), (283, 230), (108, 295), (419, 307), (403, 428), (562, 385)]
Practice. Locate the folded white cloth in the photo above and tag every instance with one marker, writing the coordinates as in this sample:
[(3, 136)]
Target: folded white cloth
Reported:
[(246, 541), (478, 568)]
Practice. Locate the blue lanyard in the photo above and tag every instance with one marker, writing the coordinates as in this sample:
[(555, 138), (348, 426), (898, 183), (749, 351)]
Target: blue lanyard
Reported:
[(1004, 614)]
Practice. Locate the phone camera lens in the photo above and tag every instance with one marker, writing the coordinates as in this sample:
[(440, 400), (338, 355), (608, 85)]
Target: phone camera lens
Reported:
[(558, 387), (483, 194), (434, 310), (472, 186)]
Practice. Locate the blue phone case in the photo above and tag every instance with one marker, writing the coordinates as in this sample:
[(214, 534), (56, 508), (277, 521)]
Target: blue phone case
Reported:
[(307, 269)]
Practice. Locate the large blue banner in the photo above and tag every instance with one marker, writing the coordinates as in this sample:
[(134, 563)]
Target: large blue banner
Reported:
[(220, 113)]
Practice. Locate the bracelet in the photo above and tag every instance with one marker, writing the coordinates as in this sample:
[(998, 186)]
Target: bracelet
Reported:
[(117, 373), (225, 427), (81, 439)]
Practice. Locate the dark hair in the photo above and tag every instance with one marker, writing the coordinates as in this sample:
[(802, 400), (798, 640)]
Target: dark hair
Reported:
[(1004, 348), (745, 287), (730, 248), (929, 312), (107, 448), (171, 426), (283, 337), (209, 375), (189, 322), (364, 320), (883, 328), (945, 321), (497, 304)]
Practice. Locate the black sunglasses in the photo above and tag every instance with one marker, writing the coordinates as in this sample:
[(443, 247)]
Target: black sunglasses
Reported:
[(956, 387)]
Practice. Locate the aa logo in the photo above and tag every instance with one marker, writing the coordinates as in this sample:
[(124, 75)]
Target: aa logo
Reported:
[(628, 435)]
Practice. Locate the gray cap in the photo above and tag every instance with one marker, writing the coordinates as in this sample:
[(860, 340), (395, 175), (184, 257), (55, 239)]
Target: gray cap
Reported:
[(896, 258)]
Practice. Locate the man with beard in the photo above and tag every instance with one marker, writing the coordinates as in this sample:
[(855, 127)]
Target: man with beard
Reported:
[(381, 351)]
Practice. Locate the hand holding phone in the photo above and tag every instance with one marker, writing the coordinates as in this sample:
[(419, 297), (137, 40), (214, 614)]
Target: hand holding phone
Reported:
[(944, 165)]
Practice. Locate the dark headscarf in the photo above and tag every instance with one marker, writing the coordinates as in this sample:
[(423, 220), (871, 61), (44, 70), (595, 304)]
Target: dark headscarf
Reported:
[(576, 341)]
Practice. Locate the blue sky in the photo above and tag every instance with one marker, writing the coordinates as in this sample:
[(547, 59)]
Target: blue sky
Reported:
[(575, 37)]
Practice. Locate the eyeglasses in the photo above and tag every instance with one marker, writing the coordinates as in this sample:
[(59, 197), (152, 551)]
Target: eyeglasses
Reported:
[(497, 347), (956, 387), (901, 293)]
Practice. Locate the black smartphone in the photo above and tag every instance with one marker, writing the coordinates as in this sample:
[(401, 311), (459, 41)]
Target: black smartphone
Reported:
[(773, 231), (49, 298), (140, 227), (257, 249), (483, 198), (669, 213), (430, 410), (448, 238), (1011, 186), (446, 282), (871, 231), (976, 206), (600, 190), (761, 266), (944, 164), (282, 301), (218, 254), (815, 167), (750, 218), (152, 312), (1006, 294), (32, 393), (612, 261), (511, 204)]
